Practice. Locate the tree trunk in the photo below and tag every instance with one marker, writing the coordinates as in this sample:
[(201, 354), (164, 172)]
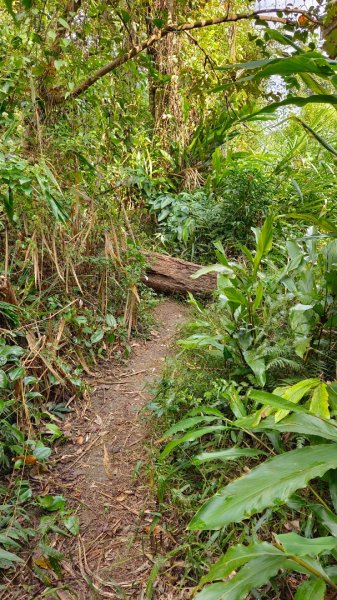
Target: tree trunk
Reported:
[(171, 275), (164, 94)]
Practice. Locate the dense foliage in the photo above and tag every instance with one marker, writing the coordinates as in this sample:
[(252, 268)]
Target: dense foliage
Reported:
[(187, 128)]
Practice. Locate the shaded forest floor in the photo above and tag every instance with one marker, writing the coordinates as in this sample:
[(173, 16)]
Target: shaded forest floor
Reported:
[(105, 470)]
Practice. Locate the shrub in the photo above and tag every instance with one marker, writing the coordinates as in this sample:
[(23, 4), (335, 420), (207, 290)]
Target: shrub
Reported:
[(225, 209)]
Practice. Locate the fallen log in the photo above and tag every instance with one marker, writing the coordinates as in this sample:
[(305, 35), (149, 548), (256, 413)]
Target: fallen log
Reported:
[(171, 275)]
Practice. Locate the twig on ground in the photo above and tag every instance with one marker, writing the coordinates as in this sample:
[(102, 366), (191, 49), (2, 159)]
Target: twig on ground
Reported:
[(114, 499), (83, 453)]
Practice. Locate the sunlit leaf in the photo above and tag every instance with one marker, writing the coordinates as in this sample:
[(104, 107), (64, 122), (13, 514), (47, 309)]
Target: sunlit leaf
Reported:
[(228, 454), (312, 589), (190, 437), (269, 484)]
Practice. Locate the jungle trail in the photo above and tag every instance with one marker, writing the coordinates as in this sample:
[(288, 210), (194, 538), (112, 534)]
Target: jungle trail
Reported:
[(168, 300)]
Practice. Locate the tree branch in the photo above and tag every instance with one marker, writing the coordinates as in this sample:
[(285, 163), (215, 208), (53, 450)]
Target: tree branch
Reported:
[(260, 15), (208, 58)]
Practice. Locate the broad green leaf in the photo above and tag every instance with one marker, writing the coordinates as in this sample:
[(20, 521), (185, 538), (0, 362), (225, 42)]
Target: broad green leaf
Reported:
[(302, 307), (7, 541), (313, 84), (297, 545), (332, 480), (237, 556), (213, 269), (228, 454), (212, 592), (309, 62), (296, 101), (251, 64), (124, 15), (319, 404), (204, 409), (253, 575), (304, 424), (258, 296), (322, 224), (4, 381), (17, 373), (264, 242), (286, 40), (97, 336), (326, 517), (304, 64), (63, 22), (55, 205), (56, 431), (275, 401), (187, 424), (301, 62), (294, 393), (50, 552), (72, 523), (257, 365), (235, 402), (41, 452), (11, 351), (189, 437), (234, 295), (9, 556), (312, 589), (110, 320), (202, 339), (269, 484), (251, 421), (51, 502)]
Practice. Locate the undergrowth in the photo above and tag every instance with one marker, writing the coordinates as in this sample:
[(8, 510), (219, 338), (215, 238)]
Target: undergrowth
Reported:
[(251, 387), (127, 126)]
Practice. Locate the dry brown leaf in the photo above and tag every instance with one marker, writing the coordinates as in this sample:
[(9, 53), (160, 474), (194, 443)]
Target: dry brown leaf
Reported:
[(98, 420), (80, 440), (292, 525), (121, 497), (42, 562), (107, 463), (156, 531), (30, 459)]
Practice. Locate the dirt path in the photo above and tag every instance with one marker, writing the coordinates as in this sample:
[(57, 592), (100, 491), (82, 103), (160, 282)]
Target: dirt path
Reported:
[(108, 473)]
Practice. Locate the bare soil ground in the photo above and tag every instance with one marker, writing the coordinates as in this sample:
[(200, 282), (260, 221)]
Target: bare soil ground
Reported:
[(105, 469)]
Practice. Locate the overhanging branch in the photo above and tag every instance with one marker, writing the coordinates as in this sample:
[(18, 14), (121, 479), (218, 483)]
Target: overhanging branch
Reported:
[(260, 15)]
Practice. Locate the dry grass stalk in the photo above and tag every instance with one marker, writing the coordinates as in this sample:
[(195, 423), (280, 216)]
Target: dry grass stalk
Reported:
[(21, 397), (107, 463), (192, 179), (75, 276), (115, 240), (53, 255), (130, 312), (6, 254), (7, 293), (127, 222)]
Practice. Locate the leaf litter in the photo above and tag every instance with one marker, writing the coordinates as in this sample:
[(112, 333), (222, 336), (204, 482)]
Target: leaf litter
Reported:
[(103, 468)]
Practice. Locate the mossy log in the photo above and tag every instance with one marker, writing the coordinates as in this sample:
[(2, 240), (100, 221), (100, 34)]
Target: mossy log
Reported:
[(170, 275)]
